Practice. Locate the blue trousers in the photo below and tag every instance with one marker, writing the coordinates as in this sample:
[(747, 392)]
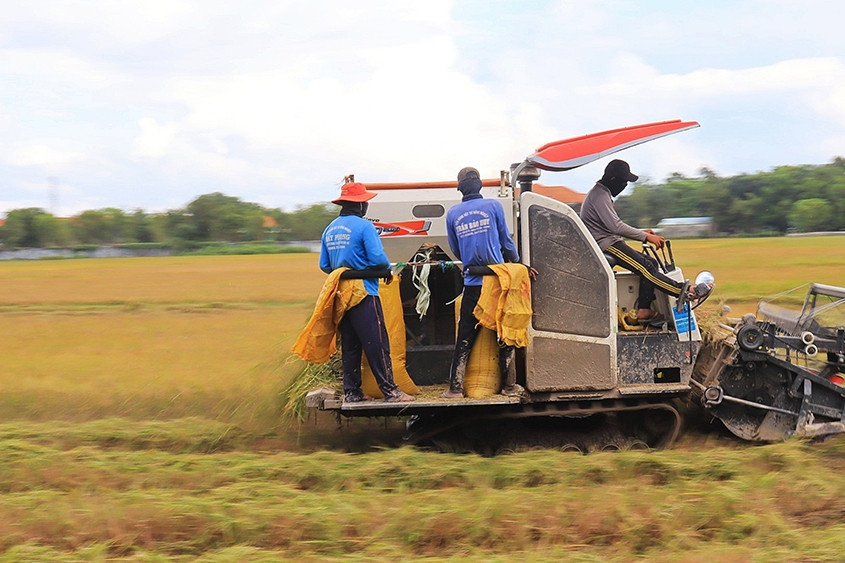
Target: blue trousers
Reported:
[(362, 329)]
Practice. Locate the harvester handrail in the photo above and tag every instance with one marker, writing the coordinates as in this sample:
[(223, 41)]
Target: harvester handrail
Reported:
[(828, 290), (452, 184), (366, 274)]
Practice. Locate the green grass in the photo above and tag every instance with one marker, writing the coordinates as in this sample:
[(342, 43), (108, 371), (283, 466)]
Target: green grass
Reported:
[(182, 490)]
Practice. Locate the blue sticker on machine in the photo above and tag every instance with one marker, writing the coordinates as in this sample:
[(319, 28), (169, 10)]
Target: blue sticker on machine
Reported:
[(684, 321)]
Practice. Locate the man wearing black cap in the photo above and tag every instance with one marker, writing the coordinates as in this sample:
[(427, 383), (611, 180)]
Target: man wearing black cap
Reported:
[(610, 232), (352, 242), (478, 236)]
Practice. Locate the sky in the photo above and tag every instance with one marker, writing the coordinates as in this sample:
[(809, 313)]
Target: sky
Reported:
[(149, 104)]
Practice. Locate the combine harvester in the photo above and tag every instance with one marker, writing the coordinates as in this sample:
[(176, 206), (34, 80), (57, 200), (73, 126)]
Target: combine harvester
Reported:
[(592, 379)]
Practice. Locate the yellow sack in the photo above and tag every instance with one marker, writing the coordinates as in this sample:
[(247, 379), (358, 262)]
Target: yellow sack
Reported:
[(481, 378), (394, 320), (318, 340), (505, 303)]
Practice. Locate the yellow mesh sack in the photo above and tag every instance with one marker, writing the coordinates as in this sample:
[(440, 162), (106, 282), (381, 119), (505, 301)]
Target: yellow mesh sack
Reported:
[(391, 304), (481, 378)]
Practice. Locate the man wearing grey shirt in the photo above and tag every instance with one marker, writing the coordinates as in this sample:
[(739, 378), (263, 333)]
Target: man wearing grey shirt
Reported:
[(610, 233)]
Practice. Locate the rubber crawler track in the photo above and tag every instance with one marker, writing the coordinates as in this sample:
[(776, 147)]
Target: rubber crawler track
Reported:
[(439, 429)]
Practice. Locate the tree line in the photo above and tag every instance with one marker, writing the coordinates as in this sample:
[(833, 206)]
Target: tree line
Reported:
[(210, 217), (788, 198)]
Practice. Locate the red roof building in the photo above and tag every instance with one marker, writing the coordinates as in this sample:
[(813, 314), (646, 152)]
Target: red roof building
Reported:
[(560, 193)]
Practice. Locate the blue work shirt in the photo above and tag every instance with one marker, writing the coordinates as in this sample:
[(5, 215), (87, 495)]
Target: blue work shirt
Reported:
[(478, 235), (352, 242)]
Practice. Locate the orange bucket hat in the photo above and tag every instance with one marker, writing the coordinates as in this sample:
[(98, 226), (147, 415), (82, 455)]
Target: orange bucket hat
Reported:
[(355, 192)]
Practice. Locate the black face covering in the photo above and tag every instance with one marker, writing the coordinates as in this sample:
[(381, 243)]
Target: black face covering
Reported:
[(470, 187), (616, 176), (614, 184), (353, 208)]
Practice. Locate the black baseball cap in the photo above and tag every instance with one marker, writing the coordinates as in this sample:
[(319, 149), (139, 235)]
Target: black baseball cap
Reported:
[(619, 169)]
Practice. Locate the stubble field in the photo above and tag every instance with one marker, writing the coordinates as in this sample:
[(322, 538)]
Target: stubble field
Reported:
[(139, 421)]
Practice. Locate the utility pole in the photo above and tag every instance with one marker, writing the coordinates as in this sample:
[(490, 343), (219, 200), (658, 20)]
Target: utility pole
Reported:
[(53, 195)]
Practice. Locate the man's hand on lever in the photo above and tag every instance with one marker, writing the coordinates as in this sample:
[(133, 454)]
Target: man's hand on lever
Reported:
[(655, 239)]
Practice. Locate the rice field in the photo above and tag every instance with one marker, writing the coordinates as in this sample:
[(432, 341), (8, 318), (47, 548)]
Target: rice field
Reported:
[(163, 337), (140, 421), (748, 269)]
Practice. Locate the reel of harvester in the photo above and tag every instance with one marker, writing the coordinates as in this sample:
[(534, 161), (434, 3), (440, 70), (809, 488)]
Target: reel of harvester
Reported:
[(779, 375)]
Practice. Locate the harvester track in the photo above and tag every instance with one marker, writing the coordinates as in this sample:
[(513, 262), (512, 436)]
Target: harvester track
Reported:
[(583, 426)]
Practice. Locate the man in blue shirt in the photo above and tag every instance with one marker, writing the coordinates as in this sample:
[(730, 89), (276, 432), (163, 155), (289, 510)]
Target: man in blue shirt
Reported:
[(478, 236), (351, 241)]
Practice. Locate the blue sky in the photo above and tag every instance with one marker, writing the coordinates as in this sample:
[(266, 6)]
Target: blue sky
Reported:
[(150, 104)]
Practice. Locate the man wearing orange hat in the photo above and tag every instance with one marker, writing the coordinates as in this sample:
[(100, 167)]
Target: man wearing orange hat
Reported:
[(351, 241)]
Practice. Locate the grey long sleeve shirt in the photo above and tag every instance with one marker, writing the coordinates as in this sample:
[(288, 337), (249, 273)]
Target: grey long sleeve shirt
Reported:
[(601, 219)]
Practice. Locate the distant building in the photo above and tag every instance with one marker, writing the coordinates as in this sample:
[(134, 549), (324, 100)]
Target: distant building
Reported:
[(691, 227), (561, 193)]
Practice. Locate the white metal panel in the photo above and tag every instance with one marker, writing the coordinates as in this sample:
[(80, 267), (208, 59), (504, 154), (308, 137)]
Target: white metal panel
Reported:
[(396, 205)]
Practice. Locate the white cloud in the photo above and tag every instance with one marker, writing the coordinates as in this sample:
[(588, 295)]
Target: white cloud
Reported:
[(275, 101), (833, 146), (103, 24), (784, 76), (38, 155), (154, 138), (409, 111), (830, 101)]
